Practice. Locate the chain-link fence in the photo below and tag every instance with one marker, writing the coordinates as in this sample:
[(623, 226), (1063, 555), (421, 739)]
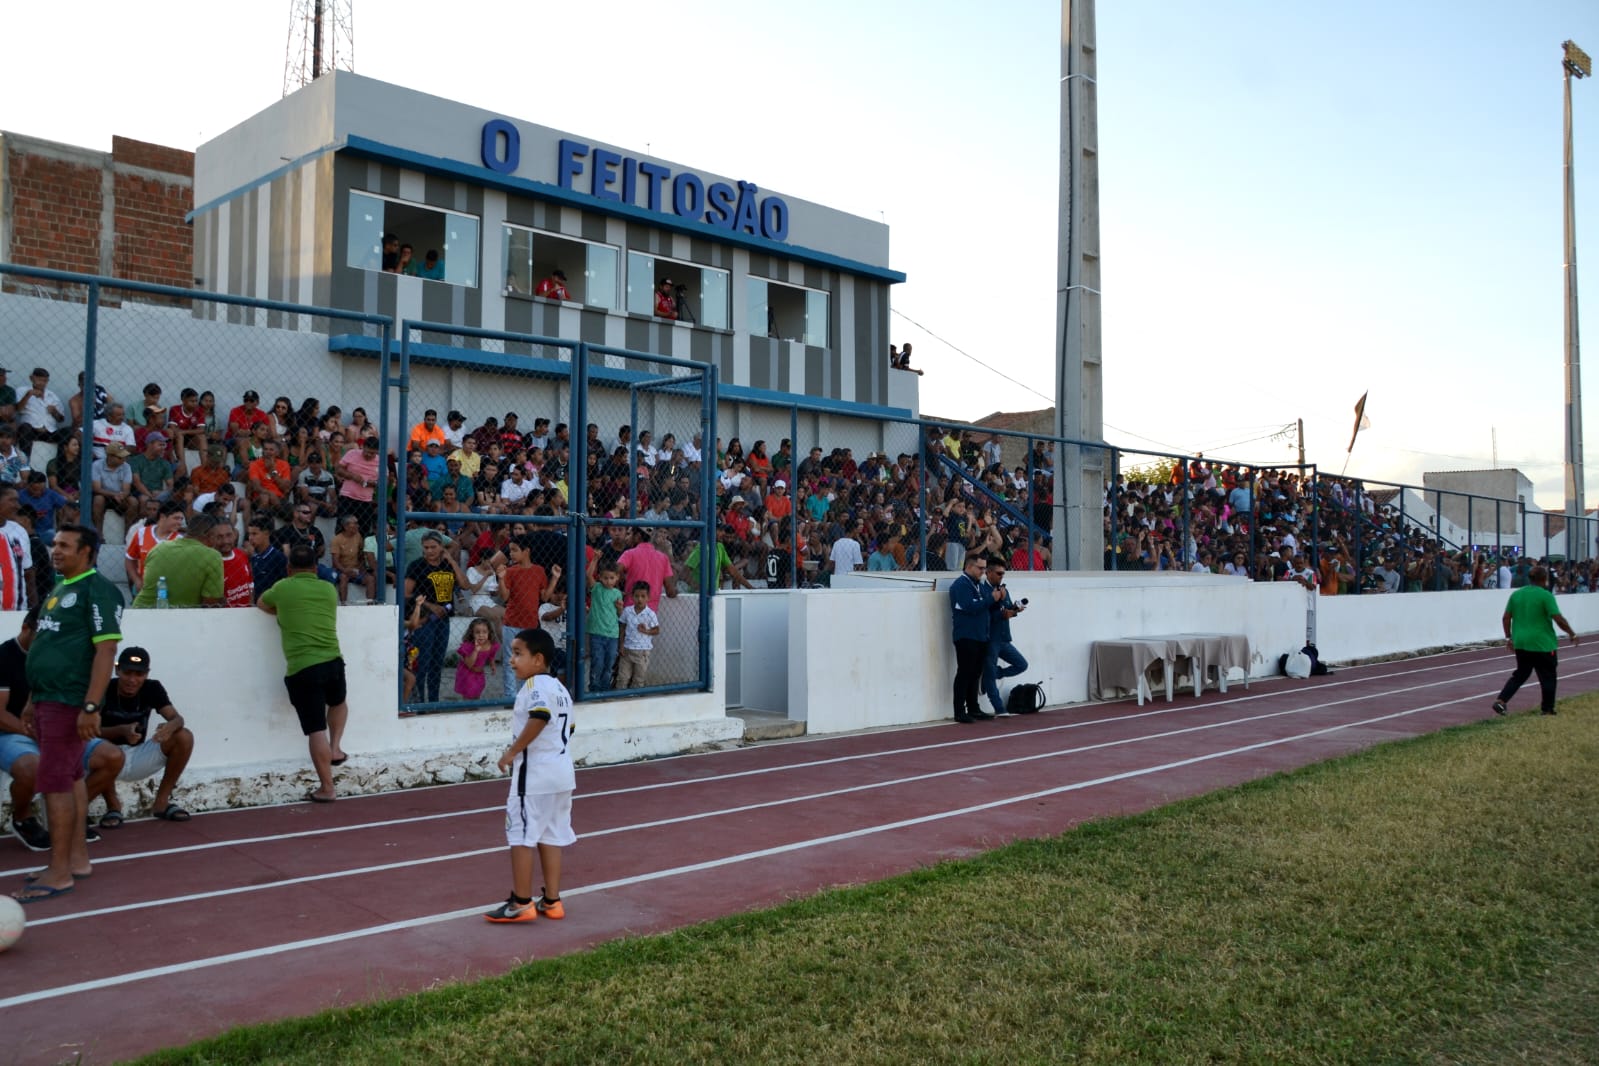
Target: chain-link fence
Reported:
[(226, 416), (546, 516)]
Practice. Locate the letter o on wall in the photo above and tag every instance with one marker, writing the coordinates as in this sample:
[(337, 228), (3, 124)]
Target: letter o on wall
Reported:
[(492, 158)]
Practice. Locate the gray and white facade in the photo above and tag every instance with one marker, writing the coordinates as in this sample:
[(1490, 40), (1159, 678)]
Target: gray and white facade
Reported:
[(787, 297)]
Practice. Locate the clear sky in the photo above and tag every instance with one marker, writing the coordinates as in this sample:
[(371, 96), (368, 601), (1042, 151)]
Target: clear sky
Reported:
[(1299, 202)]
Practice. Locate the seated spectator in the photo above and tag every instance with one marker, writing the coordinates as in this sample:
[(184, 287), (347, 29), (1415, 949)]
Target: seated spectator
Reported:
[(554, 286), (268, 564), (192, 568), (125, 722), (407, 264), (316, 486), (301, 529), (43, 416), (243, 419), (14, 468), (8, 399), (186, 423), (270, 481), (113, 427), (665, 301), (426, 430), (153, 472), (45, 502), (391, 254), (113, 487), (142, 540), (432, 266), (238, 583), (345, 550), (151, 413), (65, 471)]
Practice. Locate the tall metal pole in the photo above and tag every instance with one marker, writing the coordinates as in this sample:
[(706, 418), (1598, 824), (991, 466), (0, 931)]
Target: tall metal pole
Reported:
[(1079, 398), (316, 42), (1574, 64)]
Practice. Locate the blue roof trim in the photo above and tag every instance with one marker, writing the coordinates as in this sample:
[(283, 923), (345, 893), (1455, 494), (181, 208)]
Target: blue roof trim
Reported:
[(270, 176), (543, 190), (533, 366)]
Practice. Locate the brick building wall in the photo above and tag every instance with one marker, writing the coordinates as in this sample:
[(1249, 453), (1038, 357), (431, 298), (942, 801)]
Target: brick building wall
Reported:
[(117, 213)]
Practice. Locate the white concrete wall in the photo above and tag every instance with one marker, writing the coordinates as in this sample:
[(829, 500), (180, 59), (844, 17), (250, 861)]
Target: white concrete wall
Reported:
[(1361, 627), (876, 649), (762, 667), (224, 672)]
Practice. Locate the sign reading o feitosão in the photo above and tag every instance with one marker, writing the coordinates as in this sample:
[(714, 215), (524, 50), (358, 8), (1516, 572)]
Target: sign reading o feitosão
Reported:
[(605, 175)]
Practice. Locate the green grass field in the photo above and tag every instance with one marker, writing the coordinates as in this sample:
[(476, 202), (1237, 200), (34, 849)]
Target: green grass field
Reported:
[(1432, 901)]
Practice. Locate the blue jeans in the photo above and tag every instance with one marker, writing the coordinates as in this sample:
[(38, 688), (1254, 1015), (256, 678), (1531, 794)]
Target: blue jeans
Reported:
[(993, 673), (430, 641), (602, 662)]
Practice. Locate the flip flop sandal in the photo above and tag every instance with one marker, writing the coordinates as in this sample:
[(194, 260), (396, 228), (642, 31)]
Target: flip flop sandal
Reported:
[(39, 893), (34, 877), (111, 820), (312, 797), (170, 813)]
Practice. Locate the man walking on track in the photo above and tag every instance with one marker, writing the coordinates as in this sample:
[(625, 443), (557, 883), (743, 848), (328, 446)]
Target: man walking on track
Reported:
[(1527, 620), (971, 604)]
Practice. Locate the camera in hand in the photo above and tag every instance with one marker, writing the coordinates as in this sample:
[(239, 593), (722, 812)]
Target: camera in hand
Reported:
[(1022, 602)]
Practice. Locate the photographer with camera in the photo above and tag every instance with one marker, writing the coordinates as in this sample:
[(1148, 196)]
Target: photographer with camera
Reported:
[(999, 645)]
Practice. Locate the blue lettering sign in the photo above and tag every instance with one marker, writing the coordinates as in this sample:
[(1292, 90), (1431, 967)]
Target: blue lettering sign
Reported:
[(719, 205), (655, 176), (774, 218), (569, 161), (493, 130), (688, 193), (604, 165), (621, 179)]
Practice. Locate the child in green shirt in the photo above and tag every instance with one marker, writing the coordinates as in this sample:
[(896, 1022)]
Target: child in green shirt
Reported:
[(603, 627)]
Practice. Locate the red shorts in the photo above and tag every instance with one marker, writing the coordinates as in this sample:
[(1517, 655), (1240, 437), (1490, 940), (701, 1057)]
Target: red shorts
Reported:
[(60, 747)]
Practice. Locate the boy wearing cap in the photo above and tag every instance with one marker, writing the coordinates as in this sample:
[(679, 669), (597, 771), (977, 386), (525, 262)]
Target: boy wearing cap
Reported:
[(112, 479), (125, 721)]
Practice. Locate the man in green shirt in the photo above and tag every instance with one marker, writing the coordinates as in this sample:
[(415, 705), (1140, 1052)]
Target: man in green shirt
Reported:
[(724, 568), (1528, 630), (191, 566), (69, 666), (306, 608)]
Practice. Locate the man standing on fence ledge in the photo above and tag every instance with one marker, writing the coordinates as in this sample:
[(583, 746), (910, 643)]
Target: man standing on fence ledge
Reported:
[(971, 603), (1527, 620)]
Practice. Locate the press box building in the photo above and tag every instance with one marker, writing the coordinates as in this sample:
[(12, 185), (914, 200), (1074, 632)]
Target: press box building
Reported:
[(786, 296)]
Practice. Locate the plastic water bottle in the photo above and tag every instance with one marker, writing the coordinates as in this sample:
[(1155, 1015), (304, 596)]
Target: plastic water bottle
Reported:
[(161, 601)]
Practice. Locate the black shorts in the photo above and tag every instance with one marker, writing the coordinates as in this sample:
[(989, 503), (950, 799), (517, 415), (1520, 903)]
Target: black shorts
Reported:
[(313, 690)]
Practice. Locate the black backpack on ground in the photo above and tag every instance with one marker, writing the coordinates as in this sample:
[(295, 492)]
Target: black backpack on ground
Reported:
[(1025, 699), (1317, 667)]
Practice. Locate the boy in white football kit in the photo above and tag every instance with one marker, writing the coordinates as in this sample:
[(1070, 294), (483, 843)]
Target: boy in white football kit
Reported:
[(538, 813)]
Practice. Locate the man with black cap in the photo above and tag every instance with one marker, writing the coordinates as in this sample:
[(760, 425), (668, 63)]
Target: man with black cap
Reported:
[(554, 286), (125, 720)]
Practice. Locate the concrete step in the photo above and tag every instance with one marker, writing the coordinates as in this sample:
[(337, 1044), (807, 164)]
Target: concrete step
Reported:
[(768, 725)]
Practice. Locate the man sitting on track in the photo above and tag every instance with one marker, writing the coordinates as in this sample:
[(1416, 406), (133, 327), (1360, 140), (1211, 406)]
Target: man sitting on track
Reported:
[(125, 721)]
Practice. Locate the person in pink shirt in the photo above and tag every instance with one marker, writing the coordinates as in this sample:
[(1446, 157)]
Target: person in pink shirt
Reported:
[(650, 562), (358, 473)]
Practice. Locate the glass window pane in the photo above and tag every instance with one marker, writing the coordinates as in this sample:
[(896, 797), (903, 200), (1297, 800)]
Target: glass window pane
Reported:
[(364, 237), (816, 318), (460, 250), (713, 298), (640, 284), (600, 273), (518, 262), (760, 317)]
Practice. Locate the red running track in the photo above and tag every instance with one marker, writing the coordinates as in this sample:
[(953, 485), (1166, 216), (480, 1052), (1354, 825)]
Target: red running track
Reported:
[(245, 916)]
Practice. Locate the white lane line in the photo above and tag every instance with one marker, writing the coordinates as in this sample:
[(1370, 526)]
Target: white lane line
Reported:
[(1186, 708), (699, 867), (742, 809)]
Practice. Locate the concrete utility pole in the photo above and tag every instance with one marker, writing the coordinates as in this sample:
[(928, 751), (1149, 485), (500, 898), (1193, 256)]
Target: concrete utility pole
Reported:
[(1079, 541), (1575, 64)]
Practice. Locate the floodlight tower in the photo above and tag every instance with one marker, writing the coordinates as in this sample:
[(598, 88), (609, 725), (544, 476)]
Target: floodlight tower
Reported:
[(1576, 64), (1079, 541), (321, 38)]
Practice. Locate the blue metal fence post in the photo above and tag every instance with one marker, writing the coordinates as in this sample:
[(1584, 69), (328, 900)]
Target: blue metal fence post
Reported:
[(1315, 515), (91, 342), (1032, 506), (793, 494), (921, 487), (632, 466), (400, 508), (709, 572), (380, 492), (577, 480), (1115, 508), (1182, 486), (1358, 562), (1404, 550), (1254, 526)]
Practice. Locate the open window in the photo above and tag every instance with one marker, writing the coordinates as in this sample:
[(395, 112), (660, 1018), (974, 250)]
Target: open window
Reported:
[(699, 294), (591, 269), (431, 244), (788, 312)]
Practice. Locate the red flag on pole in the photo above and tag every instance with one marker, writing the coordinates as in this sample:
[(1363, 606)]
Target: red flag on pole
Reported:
[(1361, 421)]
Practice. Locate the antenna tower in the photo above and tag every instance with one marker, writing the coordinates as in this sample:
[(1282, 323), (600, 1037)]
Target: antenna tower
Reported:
[(321, 38)]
